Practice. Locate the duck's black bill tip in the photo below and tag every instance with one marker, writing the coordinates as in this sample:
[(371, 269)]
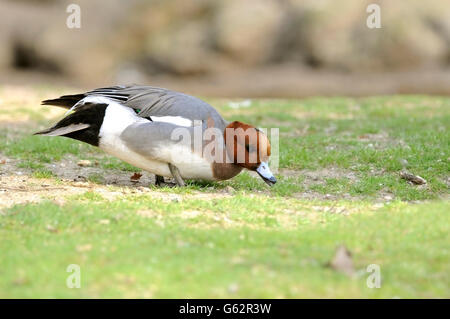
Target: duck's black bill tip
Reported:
[(269, 181)]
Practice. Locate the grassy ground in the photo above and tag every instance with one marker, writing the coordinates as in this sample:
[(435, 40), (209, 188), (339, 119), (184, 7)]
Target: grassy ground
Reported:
[(339, 184)]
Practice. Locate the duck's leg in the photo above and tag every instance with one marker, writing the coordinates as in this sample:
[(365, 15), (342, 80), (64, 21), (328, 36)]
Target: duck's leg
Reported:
[(176, 174), (159, 180)]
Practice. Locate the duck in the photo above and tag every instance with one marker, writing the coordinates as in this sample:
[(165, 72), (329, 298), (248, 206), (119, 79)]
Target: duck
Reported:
[(164, 132)]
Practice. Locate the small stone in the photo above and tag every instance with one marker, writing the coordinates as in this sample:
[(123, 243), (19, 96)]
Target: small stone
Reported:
[(229, 189), (146, 213), (190, 214), (83, 248), (182, 244), (143, 189), (51, 229), (404, 162), (175, 200), (233, 288), (84, 163), (237, 105), (227, 220), (80, 184)]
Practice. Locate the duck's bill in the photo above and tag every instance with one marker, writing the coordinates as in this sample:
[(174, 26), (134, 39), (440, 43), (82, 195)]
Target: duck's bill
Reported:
[(263, 170)]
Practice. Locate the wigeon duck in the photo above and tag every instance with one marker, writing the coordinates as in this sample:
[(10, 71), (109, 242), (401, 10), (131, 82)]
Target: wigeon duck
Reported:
[(151, 128)]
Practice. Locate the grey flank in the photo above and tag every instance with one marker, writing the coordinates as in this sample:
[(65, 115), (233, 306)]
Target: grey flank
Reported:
[(148, 138)]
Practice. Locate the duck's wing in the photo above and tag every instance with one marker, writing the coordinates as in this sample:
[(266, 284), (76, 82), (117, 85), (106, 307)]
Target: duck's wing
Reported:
[(149, 101), (154, 101), (158, 141)]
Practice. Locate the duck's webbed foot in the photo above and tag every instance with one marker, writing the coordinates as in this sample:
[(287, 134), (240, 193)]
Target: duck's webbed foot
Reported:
[(176, 175), (159, 181)]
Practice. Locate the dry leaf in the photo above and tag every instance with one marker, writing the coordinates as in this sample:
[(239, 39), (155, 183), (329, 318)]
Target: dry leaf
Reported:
[(415, 179), (342, 261), (135, 177)]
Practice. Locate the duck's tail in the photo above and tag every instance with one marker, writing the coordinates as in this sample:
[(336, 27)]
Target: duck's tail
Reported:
[(82, 125), (62, 131), (65, 101)]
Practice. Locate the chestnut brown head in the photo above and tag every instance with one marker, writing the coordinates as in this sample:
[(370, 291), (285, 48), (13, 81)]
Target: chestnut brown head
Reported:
[(249, 147)]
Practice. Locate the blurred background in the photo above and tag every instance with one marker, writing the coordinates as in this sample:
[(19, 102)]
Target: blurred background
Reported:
[(254, 48)]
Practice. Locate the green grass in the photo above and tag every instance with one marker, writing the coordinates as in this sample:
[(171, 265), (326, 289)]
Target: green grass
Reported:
[(339, 183), (251, 244), (375, 138), (43, 173), (38, 150)]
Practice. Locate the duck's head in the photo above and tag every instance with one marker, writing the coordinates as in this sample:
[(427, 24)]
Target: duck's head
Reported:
[(249, 148)]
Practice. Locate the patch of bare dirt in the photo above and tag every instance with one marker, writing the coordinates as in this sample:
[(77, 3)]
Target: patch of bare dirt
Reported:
[(17, 189), (17, 186), (69, 169), (319, 176), (382, 140)]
